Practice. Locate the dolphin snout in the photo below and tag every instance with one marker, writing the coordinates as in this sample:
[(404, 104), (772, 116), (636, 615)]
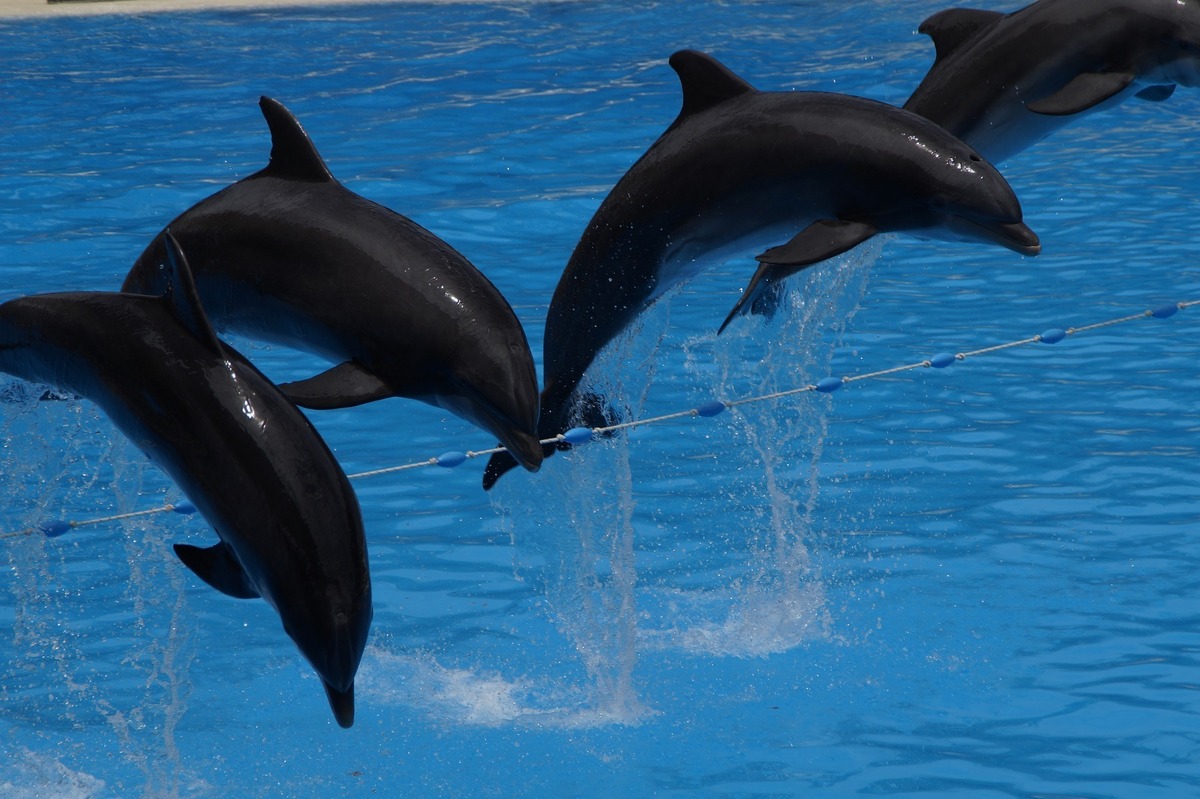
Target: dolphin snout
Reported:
[(506, 403), (1018, 237), (515, 436), (1009, 233), (341, 664), (341, 702)]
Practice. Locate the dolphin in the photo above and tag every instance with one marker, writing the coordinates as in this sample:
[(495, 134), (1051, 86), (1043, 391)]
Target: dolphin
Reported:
[(1002, 82), (289, 523), (740, 169), (291, 255)]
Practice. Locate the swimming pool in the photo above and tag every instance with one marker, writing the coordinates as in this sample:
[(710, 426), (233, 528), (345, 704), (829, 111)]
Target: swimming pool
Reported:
[(971, 581)]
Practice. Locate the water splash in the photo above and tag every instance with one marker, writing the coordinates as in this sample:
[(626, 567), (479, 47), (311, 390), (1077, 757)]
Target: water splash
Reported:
[(609, 589), (101, 636), (470, 697), (583, 555), (28, 775), (772, 598)]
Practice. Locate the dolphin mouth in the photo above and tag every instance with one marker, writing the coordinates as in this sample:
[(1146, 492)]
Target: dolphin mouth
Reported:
[(524, 447), (520, 440), (1016, 236)]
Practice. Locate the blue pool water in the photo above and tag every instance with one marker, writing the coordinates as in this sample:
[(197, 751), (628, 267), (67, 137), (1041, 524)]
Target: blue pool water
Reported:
[(978, 581)]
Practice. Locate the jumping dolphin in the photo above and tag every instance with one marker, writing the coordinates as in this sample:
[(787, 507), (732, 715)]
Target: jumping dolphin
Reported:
[(291, 255), (247, 458), (1002, 82), (740, 169)]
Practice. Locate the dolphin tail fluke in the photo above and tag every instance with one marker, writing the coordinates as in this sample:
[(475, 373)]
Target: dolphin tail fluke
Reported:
[(497, 466), (823, 239), (762, 295), (769, 299), (342, 704)]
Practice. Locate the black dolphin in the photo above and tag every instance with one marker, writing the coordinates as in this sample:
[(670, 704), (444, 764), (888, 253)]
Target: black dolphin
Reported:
[(291, 255), (741, 169), (289, 523), (1004, 81)]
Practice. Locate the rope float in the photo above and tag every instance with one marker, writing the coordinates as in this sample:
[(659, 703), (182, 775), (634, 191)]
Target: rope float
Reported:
[(582, 435)]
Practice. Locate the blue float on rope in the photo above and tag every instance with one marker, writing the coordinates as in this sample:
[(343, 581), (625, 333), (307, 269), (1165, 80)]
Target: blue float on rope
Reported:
[(448, 460), (184, 508), (711, 408), (53, 529), (829, 385), (578, 435), (1165, 311), (1053, 336), (942, 360)]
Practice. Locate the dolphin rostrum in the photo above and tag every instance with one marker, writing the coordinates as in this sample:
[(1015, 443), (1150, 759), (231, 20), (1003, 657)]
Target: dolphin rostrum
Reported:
[(741, 169), (291, 255), (288, 521), (1003, 81)]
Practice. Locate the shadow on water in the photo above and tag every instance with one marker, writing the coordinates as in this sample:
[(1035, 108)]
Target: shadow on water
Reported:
[(622, 575)]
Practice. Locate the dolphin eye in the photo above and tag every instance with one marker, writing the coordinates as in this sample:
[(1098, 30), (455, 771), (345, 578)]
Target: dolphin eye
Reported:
[(976, 157)]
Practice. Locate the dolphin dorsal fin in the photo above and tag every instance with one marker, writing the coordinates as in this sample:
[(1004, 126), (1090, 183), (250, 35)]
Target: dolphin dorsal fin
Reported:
[(950, 28), (178, 288), (706, 82), (293, 155)]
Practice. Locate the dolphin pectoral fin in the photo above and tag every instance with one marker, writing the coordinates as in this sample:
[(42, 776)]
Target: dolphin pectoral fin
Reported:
[(821, 240), (343, 386), (1156, 94), (1084, 91), (217, 566), (950, 28)]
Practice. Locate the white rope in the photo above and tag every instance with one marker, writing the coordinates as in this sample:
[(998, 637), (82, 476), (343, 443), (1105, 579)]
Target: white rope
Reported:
[(581, 435)]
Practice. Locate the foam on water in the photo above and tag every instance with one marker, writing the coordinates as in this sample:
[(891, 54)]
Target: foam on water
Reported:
[(478, 698), (28, 775)]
